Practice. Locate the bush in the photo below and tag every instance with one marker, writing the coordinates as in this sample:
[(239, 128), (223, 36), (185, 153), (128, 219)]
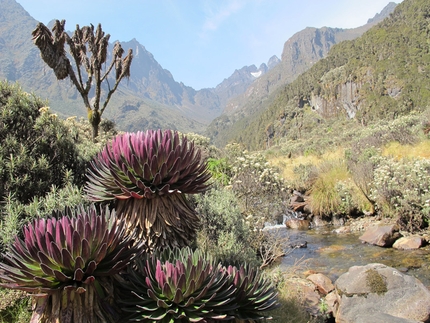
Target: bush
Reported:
[(36, 148), (14, 214), (220, 170), (81, 132), (260, 189), (401, 190), (14, 306), (224, 234)]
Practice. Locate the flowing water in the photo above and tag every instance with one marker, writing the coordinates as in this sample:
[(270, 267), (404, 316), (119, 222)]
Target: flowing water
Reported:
[(332, 254)]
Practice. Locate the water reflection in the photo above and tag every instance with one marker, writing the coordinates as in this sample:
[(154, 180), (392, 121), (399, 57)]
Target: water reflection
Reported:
[(332, 254)]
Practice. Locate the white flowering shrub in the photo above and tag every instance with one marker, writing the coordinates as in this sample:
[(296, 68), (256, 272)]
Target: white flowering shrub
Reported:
[(352, 201), (262, 192), (401, 189), (81, 131), (204, 144)]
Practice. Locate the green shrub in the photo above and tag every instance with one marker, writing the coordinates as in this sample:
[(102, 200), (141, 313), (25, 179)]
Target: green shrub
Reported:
[(224, 233), (220, 170), (14, 306), (81, 132), (36, 147), (15, 214)]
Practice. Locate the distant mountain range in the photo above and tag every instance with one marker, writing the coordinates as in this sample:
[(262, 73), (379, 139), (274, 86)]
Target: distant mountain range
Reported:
[(300, 52), (373, 79), (151, 98)]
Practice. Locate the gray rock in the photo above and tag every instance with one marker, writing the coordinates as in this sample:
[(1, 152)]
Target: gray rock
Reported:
[(383, 236), (378, 289), (382, 318), (322, 283), (408, 243), (297, 224)]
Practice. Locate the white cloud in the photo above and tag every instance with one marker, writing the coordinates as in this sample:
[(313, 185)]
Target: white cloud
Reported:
[(216, 16)]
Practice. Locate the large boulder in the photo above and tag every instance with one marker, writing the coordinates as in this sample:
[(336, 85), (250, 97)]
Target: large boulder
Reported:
[(383, 236), (382, 318), (379, 291), (408, 243)]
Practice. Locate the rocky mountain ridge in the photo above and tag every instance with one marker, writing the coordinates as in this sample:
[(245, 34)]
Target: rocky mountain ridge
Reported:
[(151, 98), (378, 77), (300, 52)]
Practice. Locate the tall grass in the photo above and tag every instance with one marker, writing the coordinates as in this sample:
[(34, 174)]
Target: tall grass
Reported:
[(399, 151), (325, 197)]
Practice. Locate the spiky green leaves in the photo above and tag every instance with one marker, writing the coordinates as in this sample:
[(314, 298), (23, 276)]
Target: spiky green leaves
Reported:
[(67, 252), (254, 294), (144, 165), (177, 285)]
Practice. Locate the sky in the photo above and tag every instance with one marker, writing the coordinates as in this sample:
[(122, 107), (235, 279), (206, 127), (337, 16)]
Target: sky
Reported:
[(202, 42)]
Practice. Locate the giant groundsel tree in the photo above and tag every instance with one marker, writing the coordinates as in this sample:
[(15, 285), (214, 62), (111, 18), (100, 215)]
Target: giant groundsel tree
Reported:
[(146, 175), (88, 48)]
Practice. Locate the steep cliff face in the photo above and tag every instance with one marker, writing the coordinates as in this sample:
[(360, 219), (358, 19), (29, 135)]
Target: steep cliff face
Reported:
[(351, 96), (347, 99)]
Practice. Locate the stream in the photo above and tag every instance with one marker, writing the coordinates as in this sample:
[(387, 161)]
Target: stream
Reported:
[(332, 254)]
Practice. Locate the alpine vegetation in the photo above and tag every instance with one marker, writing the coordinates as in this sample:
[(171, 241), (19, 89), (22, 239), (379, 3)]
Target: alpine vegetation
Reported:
[(67, 263), (181, 285), (147, 175)]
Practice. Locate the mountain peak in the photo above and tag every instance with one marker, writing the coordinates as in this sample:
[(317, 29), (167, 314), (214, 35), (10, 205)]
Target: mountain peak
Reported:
[(273, 61), (389, 8)]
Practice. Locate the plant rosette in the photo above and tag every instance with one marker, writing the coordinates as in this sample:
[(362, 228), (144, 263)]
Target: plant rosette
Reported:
[(67, 263)]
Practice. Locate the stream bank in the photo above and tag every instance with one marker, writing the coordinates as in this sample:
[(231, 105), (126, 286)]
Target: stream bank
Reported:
[(333, 254)]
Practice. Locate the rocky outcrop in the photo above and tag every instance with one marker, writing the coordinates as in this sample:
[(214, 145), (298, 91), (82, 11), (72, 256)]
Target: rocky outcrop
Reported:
[(380, 292), (383, 236), (409, 243), (347, 99)]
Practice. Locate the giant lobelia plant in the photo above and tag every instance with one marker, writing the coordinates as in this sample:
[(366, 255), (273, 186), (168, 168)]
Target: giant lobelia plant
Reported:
[(182, 285), (146, 175), (67, 263)]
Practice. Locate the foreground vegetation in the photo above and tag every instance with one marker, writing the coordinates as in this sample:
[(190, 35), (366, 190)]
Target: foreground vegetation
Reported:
[(73, 257), (380, 170)]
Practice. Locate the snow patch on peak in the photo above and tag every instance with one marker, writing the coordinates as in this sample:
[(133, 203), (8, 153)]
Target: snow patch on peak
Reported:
[(256, 74)]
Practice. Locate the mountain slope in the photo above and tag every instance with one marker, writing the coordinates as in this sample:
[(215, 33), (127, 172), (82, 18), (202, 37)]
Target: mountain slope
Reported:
[(150, 87), (300, 52), (381, 75)]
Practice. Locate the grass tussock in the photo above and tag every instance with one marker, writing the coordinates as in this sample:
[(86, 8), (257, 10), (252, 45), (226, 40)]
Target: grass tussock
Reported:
[(399, 151), (325, 197)]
